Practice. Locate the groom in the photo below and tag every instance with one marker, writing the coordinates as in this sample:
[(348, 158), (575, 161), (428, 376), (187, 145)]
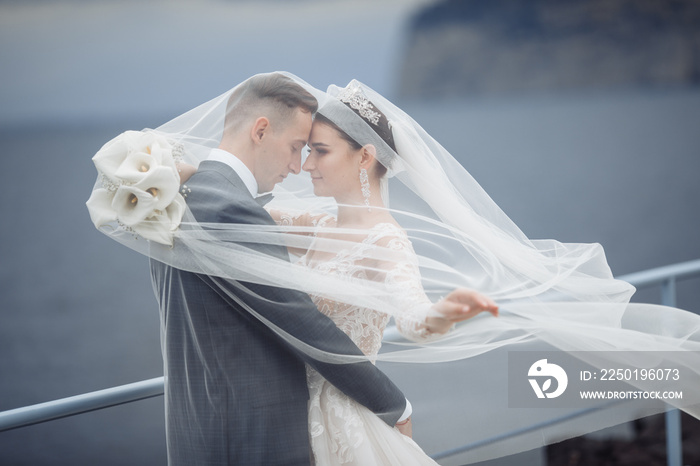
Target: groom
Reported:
[(236, 393)]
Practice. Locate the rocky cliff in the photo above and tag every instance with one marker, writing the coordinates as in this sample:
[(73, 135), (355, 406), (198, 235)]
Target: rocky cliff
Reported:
[(460, 47)]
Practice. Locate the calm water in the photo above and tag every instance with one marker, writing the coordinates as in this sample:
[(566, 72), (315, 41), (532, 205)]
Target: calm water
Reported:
[(78, 312)]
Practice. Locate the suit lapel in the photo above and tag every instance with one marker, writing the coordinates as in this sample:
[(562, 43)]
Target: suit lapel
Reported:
[(226, 171), (240, 191)]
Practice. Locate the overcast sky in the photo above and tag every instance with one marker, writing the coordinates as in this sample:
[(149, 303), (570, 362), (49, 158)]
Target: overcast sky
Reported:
[(77, 60)]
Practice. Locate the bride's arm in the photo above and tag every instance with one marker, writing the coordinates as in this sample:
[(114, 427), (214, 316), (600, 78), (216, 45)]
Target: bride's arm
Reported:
[(419, 319), (299, 218), (185, 171), (303, 219), (284, 217), (430, 321)]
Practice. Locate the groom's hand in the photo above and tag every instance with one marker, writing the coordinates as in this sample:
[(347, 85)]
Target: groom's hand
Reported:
[(461, 304)]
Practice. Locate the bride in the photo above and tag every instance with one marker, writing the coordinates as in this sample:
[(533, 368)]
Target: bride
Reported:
[(342, 431), (385, 222)]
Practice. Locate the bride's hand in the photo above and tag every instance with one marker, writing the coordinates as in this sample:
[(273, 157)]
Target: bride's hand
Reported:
[(461, 304), (185, 171)]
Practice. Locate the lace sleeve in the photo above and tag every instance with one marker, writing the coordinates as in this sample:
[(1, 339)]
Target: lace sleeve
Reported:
[(300, 219), (403, 281)]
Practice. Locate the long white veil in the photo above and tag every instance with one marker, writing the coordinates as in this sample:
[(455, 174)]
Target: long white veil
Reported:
[(553, 296)]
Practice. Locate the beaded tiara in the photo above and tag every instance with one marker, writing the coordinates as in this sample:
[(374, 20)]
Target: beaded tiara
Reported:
[(355, 98), (351, 110)]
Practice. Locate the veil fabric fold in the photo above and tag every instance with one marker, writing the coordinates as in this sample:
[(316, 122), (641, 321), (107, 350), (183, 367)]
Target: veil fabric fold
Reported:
[(552, 295)]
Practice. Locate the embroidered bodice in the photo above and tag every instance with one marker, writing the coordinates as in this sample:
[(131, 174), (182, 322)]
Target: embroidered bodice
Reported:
[(400, 276), (342, 432)]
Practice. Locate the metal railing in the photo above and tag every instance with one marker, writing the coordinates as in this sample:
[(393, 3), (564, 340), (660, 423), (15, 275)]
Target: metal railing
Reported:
[(79, 404), (666, 276)]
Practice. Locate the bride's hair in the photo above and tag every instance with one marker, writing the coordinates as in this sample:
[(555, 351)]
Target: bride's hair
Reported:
[(382, 128), (273, 95)]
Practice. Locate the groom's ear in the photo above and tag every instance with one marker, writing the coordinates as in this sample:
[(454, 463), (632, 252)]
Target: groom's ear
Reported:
[(369, 153), (259, 129)]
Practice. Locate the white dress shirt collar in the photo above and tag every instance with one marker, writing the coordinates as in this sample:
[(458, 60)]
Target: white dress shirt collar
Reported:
[(220, 155)]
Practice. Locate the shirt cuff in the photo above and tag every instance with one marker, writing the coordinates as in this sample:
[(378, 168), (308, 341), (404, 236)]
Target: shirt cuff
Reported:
[(407, 412)]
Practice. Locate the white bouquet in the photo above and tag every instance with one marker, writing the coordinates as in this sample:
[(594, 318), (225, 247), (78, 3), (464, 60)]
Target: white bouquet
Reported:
[(140, 184)]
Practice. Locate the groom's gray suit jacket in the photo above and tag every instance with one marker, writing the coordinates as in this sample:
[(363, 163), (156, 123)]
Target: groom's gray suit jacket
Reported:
[(236, 393)]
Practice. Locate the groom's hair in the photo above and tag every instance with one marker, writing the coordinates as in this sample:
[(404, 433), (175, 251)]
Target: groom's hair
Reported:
[(271, 95)]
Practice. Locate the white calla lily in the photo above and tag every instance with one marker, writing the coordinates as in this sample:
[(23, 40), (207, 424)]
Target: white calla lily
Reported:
[(100, 207), (110, 157), (163, 224), (162, 183), (162, 151), (136, 166), (132, 205)]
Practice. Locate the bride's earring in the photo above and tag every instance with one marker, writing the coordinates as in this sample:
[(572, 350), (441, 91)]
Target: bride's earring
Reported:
[(364, 181)]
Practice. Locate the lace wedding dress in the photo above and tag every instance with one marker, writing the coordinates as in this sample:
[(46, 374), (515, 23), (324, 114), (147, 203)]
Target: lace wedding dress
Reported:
[(342, 431)]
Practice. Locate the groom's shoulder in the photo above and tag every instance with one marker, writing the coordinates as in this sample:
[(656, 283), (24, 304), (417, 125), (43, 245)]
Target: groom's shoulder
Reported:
[(214, 180), (210, 171), (213, 197)]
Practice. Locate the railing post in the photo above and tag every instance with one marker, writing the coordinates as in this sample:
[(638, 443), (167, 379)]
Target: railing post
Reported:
[(674, 449)]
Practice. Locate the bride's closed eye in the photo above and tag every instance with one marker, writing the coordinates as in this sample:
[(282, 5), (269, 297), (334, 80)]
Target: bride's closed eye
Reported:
[(317, 151)]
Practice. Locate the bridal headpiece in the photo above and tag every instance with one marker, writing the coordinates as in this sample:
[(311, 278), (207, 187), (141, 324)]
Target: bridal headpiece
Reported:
[(350, 109), (353, 96)]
